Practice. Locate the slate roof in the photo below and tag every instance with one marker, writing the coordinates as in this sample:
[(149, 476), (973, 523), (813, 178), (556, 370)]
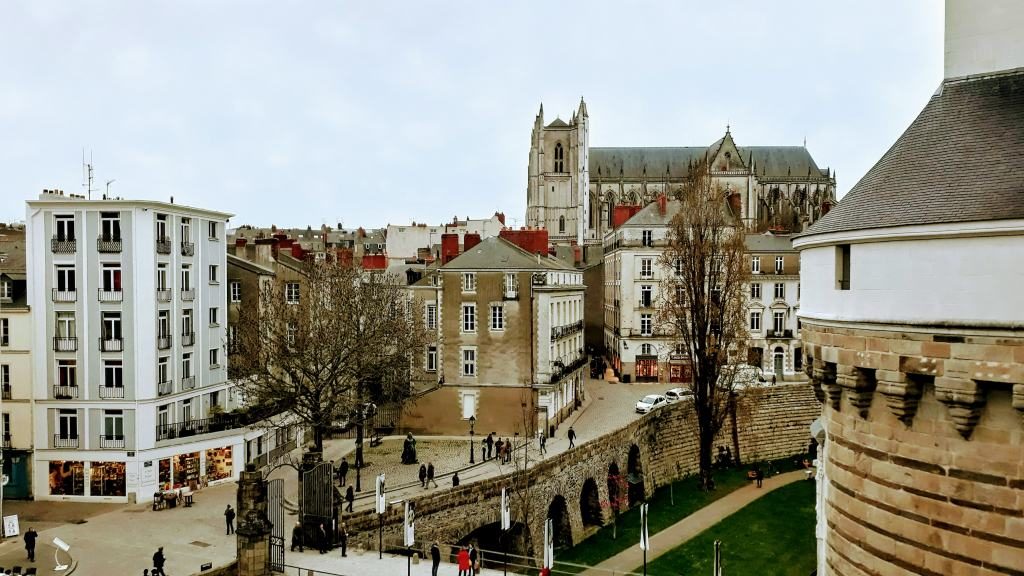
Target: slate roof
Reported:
[(961, 160), (775, 161), (557, 123), (496, 253), (769, 243)]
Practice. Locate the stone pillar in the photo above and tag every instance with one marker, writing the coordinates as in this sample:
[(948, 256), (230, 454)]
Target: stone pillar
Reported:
[(964, 399), (901, 393), (253, 533)]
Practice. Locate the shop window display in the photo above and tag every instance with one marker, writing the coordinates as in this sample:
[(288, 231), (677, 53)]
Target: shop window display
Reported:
[(165, 473), (186, 470), (67, 478), (107, 479), (218, 463)]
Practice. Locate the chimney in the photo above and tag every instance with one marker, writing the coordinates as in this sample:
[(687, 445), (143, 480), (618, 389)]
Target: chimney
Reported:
[(983, 37), (266, 250), (662, 204), (449, 247), (470, 240), (501, 217)]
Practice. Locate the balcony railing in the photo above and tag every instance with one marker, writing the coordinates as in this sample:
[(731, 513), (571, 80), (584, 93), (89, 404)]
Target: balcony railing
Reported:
[(188, 295), (195, 427), (7, 441), (7, 391), (780, 333), (111, 392), (511, 294), (163, 342), (110, 295), (163, 295), (65, 344), (63, 245), (645, 303), (111, 344), (64, 295), (65, 392), (108, 244), (566, 330), (116, 441), (163, 245), (164, 388), (188, 338), (65, 441), (188, 383), (188, 249), (561, 371)]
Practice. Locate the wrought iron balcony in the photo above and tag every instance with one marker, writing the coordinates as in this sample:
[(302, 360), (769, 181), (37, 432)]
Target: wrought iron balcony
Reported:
[(563, 370), (566, 330), (164, 388), (65, 392), (111, 392), (65, 441), (63, 245), (7, 441), (188, 383), (115, 441), (163, 341), (163, 295), (188, 249), (111, 344), (65, 344), (195, 427), (188, 295), (7, 392), (188, 338), (110, 295), (163, 245), (645, 303), (108, 244), (64, 295)]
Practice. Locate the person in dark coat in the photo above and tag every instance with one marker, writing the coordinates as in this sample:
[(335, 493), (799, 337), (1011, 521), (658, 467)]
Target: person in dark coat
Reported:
[(343, 471), (229, 519), (30, 544), (343, 539), (158, 562), (497, 448), (423, 476), (297, 537), (350, 497), (508, 451), (455, 480), (490, 445), (430, 474), (572, 437), (435, 558), (759, 475), (472, 560), (322, 540)]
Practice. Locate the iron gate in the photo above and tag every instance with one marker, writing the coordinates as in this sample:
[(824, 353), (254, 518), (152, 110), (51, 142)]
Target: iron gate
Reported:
[(318, 495), (275, 513)]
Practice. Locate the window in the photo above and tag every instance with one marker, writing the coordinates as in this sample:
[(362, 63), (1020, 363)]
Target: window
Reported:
[(5, 332), (755, 291), (161, 277), (497, 317), (214, 316), (113, 424), (161, 228), (291, 292), (843, 267), (645, 325), (213, 230), (559, 157), (469, 361), (67, 423), (755, 264), (214, 357), (65, 324), (779, 264), (468, 405), (232, 339), (561, 224), (162, 416), (511, 285), (5, 380), (780, 322), (113, 374), (236, 291), (6, 290), (432, 316), (213, 274), (292, 332), (186, 230), (680, 296), (647, 237), (469, 317), (163, 324), (186, 277), (677, 265), (186, 365), (646, 268), (111, 278), (431, 358), (111, 325), (780, 290), (755, 321), (162, 374), (469, 282), (67, 373), (65, 227), (186, 321), (646, 295), (186, 410), (110, 226), (66, 279)]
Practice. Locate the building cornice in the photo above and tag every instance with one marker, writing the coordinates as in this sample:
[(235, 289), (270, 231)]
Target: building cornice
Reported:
[(922, 232), (64, 203), (929, 326)]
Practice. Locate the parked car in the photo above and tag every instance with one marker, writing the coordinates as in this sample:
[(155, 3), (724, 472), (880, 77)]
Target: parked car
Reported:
[(676, 394), (741, 376), (650, 402)]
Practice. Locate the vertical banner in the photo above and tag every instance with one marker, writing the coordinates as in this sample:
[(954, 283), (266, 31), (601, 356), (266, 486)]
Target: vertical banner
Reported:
[(410, 523), (645, 542), (381, 502), (506, 510), (717, 570), (549, 544)]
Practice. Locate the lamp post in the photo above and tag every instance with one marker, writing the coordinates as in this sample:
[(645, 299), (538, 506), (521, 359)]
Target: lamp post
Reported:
[(472, 452)]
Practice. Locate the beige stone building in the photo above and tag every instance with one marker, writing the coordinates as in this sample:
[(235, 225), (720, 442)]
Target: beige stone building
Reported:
[(15, 364), (913, 321)]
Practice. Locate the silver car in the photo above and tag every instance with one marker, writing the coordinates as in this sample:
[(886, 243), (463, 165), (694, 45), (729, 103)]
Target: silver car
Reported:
[(676, 394), (650, 402)]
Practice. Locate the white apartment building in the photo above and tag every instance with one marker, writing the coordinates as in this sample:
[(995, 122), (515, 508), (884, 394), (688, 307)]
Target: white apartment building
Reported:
[(129, 364), (774, 302), (405, 241)]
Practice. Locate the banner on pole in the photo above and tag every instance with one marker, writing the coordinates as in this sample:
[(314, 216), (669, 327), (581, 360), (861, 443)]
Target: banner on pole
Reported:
[(506, 510), (381, 501), (410, 523), (645, 541), (549, 544)]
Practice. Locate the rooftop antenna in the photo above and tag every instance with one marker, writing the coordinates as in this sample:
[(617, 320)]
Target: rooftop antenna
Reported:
[(109, 182), (87, 174)]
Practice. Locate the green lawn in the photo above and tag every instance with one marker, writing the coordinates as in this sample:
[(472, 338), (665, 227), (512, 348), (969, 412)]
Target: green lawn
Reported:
[(772, 535), (688, 499)]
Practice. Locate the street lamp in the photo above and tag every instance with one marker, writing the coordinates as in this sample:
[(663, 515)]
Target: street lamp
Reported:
[(472, 423)]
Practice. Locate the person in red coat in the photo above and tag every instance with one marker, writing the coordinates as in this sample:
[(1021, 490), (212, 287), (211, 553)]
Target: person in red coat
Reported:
[(463, 559)]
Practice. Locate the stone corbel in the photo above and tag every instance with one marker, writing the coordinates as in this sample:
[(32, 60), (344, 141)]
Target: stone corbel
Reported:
[(1018, 398), (825, 380), (817, 383), (901, 394), (964, 399), (860, 387)]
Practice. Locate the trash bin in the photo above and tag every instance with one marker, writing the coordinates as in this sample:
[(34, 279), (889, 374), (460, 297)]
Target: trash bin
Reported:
[(625, 378)]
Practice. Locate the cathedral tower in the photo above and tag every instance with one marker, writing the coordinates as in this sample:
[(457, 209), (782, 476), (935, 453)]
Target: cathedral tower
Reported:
[(558, 179)]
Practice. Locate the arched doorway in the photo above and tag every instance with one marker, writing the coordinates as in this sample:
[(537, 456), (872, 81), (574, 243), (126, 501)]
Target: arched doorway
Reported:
[(779, 360), (616, 487), (635, 476), (491, 541), (590, 504), (558, 512)]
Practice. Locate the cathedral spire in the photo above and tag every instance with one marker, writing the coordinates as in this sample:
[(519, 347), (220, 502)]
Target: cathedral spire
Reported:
[(583, 108)]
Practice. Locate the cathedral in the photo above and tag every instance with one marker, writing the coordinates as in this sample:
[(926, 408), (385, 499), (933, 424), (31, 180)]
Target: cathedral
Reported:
[(573, 190)]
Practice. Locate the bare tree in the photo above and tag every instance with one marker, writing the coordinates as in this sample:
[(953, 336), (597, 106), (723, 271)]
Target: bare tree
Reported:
[(348, 337), (704, 301)]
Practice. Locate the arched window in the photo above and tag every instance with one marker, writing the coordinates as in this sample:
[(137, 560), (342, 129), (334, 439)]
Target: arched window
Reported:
[(646, 350), (561, 224), (559, 158)]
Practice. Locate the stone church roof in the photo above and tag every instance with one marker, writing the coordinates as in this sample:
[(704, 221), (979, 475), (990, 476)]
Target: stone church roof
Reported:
[(770, 161), (961, 160)]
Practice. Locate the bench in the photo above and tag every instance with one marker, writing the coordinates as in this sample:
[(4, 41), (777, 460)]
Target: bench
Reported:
[(379, 433)]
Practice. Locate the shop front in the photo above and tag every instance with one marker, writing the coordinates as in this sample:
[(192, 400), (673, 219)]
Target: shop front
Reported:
[(195, 469), (83, 478), (646, 368)]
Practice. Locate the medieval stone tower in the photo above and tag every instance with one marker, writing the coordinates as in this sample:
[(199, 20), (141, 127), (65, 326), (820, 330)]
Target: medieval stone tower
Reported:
[(559, 178)]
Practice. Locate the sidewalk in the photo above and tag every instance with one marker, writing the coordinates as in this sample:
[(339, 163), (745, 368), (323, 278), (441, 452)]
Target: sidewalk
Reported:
[(692, 525), (365, 564)]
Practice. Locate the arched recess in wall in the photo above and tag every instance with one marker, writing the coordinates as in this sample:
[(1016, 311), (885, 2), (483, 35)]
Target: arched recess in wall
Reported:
[(609, 204), (595, 211), (559, 157), (490, 537), (779, 360), (561, 224), (558, 512), (616, 488), (590, 504), (635, 476)]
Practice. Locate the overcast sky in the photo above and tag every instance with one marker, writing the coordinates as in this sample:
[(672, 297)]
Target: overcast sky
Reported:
[(294, 113)]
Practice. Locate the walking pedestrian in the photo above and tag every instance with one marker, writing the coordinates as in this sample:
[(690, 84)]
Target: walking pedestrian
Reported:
[(158, 562), (759, 475), (490, 445), (350, 497), (572, 437), (483, 450), (30, 544), (343, 539), (508, 451), (423, 476), (435, 558), (343, 471), (323, 540), (430, 474), (463, 559), (297, 537), (543, 443), (455, 480), (473, 566), (229, 519)]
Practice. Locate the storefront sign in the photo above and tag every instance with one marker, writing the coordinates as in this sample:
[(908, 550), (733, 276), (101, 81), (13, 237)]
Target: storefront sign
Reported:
[(148, 473), (11, 527)]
